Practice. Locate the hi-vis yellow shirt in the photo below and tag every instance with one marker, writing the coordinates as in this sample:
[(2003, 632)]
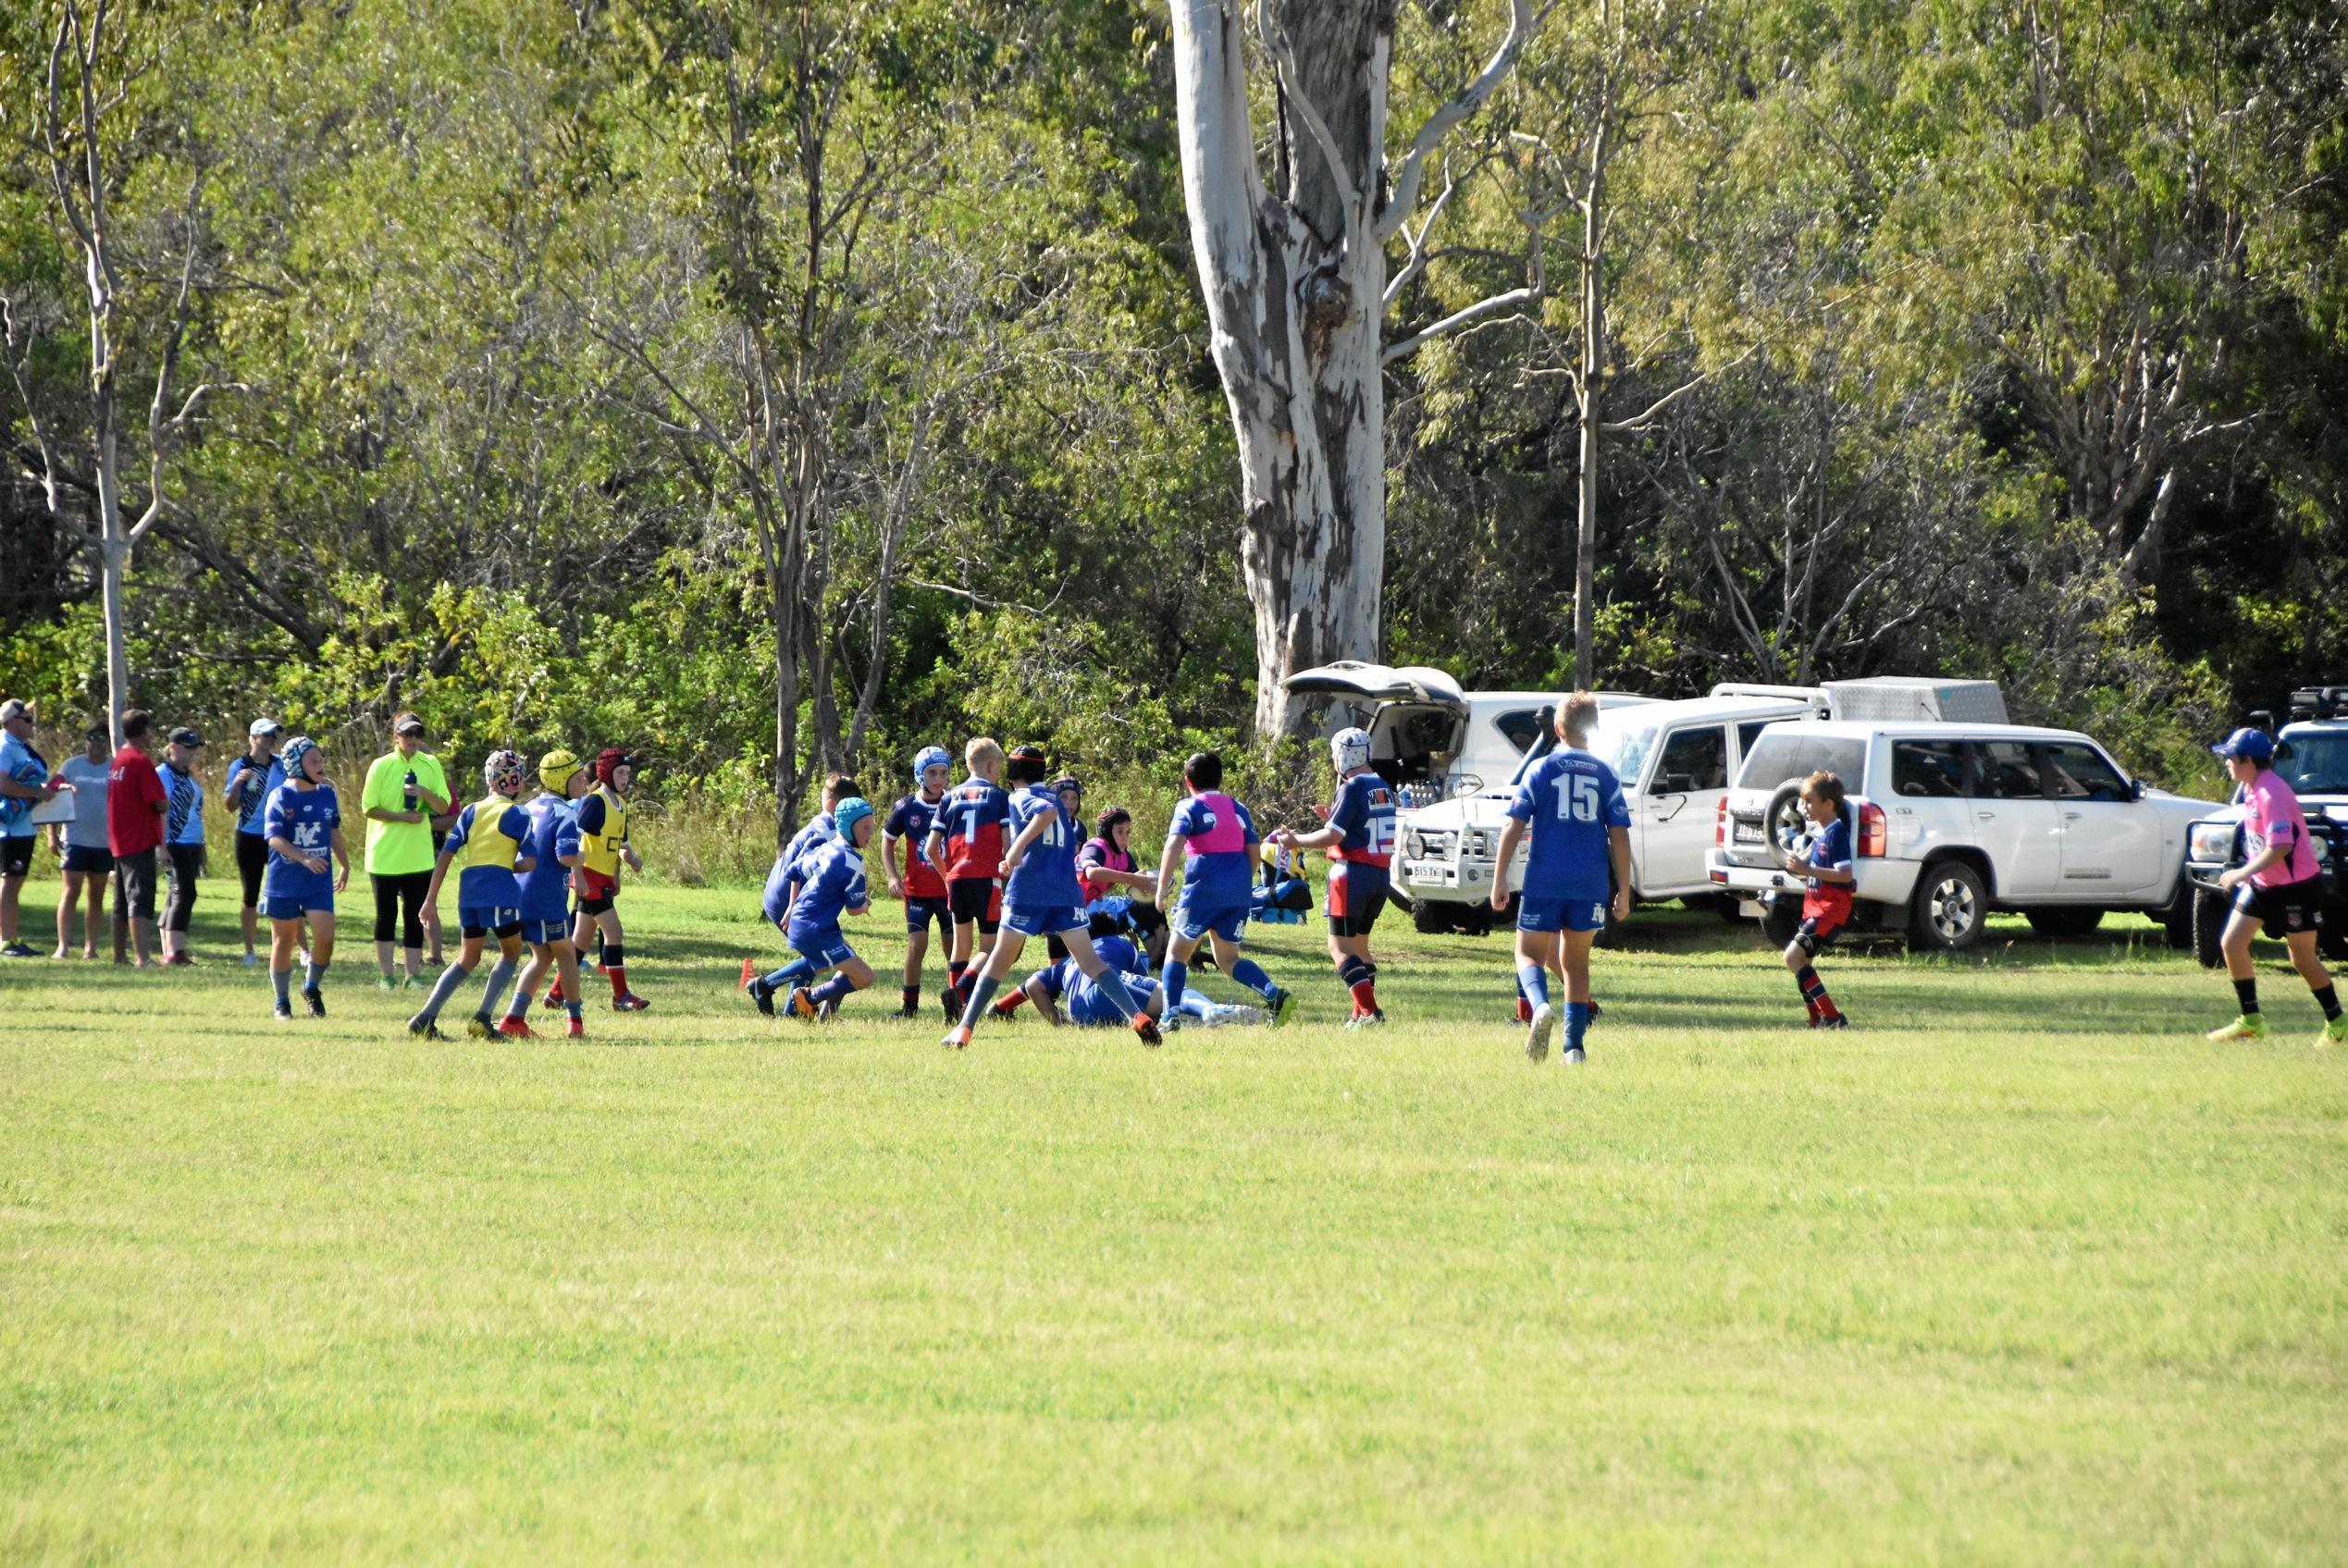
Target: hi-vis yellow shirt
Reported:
[(487, 835), (599, 841)]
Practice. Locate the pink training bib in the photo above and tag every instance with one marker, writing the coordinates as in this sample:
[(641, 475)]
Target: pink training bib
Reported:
[(1225, 837)]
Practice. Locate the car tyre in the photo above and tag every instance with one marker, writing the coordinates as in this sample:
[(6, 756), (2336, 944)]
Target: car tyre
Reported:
[(2209, 928), (1431, 917), (2065, 924), (1949, 909)]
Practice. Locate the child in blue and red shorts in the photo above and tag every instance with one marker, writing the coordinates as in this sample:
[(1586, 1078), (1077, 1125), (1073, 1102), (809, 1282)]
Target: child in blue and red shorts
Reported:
[(1828, 882)]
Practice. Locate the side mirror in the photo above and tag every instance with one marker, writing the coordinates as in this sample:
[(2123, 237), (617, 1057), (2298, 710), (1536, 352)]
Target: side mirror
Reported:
[(1673, 783), (2136, 790)]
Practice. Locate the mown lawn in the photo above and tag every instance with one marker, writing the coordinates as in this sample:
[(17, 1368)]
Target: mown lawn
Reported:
[(2020, 1270)]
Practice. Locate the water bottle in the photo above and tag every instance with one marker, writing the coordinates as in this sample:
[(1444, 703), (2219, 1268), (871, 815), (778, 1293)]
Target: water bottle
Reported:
[(410, 795)]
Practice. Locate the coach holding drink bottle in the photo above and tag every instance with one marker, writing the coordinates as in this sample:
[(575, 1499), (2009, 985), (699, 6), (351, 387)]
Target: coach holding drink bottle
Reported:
[(405, 789)]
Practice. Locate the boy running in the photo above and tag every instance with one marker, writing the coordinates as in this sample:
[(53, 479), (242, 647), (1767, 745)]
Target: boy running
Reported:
[(252, 778), (919, 883), (1826, 898), (2276, 881), (1218, 846), (553, 849), (301, 821), (1573, 805), (966, 838), (491, 835), (1045, 900), (1359, 837), (603, 848), (805, 899)]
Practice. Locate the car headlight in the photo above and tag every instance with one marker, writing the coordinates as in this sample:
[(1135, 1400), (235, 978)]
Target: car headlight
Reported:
[(2210, 841)]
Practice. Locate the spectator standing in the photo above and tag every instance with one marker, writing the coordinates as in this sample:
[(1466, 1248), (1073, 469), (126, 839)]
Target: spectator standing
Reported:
[(81, 845), (252, 778), (24, 784), (136, 802), (405, 789), (182, 841)]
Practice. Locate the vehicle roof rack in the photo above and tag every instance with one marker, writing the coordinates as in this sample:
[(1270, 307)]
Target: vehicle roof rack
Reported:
[(2318, 703)]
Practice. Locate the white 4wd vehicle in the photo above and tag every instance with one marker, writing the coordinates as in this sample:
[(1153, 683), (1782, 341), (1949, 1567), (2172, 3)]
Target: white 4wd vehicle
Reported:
[(1951, 820)]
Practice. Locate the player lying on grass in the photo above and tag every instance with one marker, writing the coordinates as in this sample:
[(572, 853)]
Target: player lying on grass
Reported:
[(920, 883), (805, 900), (1042, 898), (1827, 897), (553, 845), (488, 838), (2276, 882), (1063, 985), (1359, 837), (302, 820), (1217, 842), (1573, 806), (965, 839)]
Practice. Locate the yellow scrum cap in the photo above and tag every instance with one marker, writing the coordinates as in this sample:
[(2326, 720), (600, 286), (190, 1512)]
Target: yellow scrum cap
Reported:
[(556, 770)]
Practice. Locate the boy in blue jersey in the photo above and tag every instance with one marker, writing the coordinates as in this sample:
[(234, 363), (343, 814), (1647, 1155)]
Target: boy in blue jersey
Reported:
[(553, 847), (1359, 837), (302, 823), (805, 899), (966, 843), (1573, 806), (1217, 842), (491, 837), (823, 827), (921, 884), (1042, 898)]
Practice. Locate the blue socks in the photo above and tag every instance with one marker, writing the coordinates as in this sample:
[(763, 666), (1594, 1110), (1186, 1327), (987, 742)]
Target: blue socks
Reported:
[(798, 971), (282, 980), (520, 1006), (1532, 980), (839, 988), (983, 990), (442, 988), (1577, 1024), (1173, 977), (1111, 984), (1250, 974), (311, 974), (500, 973)]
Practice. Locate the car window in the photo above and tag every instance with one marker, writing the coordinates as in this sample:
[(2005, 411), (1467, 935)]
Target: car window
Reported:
[(2075, 771), (1625, 750), (1523, 726), (1788, 752), (1750, 731), (2315, 761), (1932, 769), (1695, 759), (2006, 770)]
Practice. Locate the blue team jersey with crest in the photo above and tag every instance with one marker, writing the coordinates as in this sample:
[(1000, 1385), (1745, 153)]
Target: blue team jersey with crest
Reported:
[(553, 832), (1569, 799), (831, 883), (1046, 876), (1364, 812), (820, 829), (1219, 868), (305, 819)]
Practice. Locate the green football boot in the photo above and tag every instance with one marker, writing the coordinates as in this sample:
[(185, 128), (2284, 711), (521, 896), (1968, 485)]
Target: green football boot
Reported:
[(2250, 1026)]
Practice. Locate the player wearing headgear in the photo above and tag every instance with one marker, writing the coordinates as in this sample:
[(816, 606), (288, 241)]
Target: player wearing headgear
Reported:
[(1217, 842), (965, 839), (2277, 882), (490, 839), (302, 823), (1571, 804), (603, 848), (917, 881), (1043, 899), (805, 900), (1359, 837), (1826, 899), (552, 845)]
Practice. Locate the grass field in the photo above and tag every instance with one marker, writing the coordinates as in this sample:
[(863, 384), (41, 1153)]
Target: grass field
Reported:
[(2019, 1270)]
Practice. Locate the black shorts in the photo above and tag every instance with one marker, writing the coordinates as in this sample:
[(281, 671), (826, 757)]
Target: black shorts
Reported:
[(975, 898), (1818, 932), (89, 859), (15, 855), (252, 863), (2294, 907), (1356, 896), (920, 911), (134, 885)]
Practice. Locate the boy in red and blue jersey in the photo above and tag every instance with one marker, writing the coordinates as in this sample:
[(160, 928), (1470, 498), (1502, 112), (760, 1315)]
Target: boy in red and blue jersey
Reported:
[(965, 839), (1217, 842), (1359, 837), (920, 883), (1828, 885), (2278, 882), (1573, 806)]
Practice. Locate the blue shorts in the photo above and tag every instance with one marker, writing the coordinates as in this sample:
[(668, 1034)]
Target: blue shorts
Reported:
[(1227, 921), (1087, 1005), (293, 905), (919, 912), (1049, 920), (480, 919), (544, 932), (1560, 914), (822, 945)]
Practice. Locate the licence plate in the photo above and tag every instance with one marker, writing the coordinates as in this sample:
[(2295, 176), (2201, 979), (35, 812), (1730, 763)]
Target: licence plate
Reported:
[(1748, 833)]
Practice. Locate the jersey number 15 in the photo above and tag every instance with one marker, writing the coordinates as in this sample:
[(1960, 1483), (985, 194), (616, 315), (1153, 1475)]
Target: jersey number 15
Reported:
[(1579, 802)]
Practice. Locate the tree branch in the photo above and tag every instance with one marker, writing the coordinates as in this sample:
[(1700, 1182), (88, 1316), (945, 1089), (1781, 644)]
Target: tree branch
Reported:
[(1637, 422), (1291, 84), (1440, 124)]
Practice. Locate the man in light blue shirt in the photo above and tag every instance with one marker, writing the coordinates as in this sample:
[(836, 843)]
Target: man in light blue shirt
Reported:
[(24, 784)]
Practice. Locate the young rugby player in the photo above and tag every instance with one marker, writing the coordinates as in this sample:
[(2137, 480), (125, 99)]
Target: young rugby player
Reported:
[(966, 838), (917, 881), (1217, 842), (301, 821), (1109, 872), (805, 900), (1573, 805), (1087, 1005), (553, 849), (1826, 897), (491, 836), (823, 827), (603, 848), (2276, 881), (1043, 899), (1359, 837)]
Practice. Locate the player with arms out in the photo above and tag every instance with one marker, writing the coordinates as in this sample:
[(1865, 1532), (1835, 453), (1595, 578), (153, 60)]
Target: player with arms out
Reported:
[(2277, 882), (491, 837), (302, 820), (907, 834), (1573, 806), (966, 838), (1043, 899), (553, 847), (805, 899), (1359, 837), (1216, 841), (1827, 884)]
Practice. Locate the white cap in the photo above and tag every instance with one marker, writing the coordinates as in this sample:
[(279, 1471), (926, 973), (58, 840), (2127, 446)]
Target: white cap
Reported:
[(260, 727)]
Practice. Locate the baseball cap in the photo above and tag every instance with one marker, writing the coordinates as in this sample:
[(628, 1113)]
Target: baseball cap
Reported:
[(186, 737), (407, 724), (15, 708), (260, 727), (2256, 746)]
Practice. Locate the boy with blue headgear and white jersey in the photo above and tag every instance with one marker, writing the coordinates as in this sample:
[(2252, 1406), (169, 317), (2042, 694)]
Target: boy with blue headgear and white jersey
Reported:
[(921, 884), (1359, 837), (491, 837), (806, 900), (1573, 806), (1042, 898)]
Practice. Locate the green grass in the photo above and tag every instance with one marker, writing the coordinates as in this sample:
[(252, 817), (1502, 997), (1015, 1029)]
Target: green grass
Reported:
[(2022, 1270)]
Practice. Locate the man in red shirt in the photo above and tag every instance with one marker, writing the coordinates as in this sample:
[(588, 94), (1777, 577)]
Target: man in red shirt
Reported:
[(135, 803)]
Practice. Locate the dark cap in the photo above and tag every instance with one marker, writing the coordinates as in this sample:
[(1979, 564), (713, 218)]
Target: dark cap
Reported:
[(186, 737), (407, 724)]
